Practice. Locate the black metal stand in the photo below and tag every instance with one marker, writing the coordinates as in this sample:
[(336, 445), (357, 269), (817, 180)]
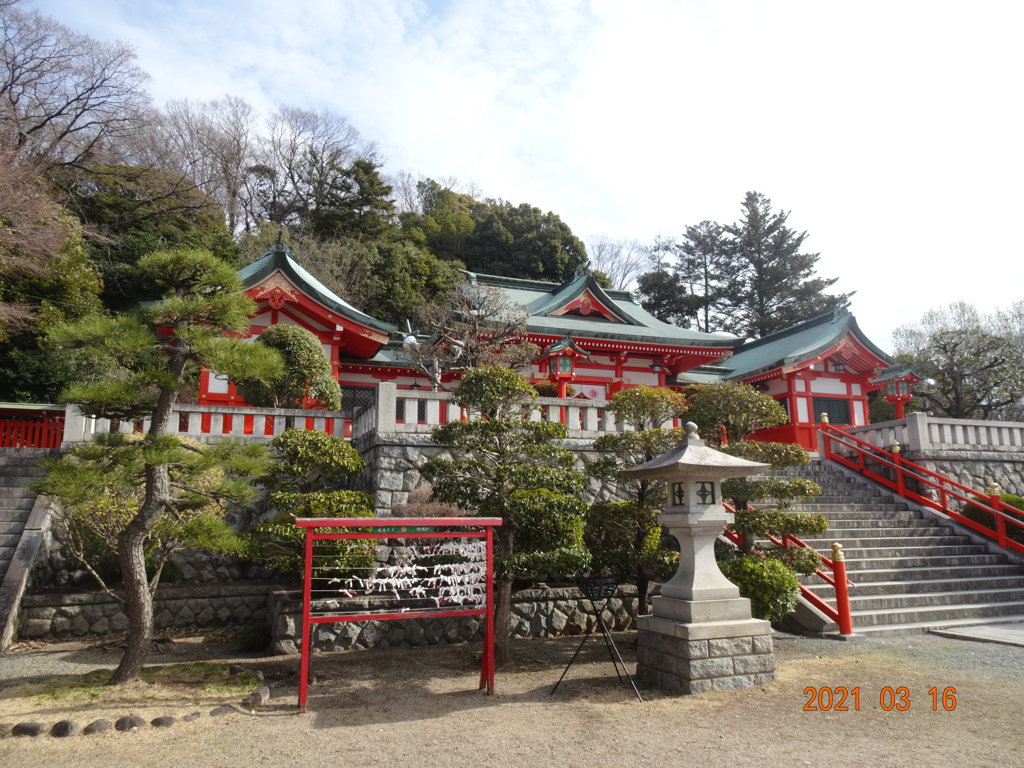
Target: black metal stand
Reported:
[(600, 589)]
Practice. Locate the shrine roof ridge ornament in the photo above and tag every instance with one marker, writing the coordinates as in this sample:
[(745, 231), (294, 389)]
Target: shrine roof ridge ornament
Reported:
[(692, 458)]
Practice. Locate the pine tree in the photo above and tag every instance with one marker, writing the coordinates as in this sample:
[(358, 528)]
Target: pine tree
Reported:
[(775, 286), (148, 354)]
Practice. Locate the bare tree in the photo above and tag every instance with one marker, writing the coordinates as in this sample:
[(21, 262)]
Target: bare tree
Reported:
[(476, 326), (31, 233), (215, 143), (301, 153), (64, 95), (621, 260)]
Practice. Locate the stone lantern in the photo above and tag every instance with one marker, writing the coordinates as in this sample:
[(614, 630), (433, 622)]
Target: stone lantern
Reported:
[(701, 635)]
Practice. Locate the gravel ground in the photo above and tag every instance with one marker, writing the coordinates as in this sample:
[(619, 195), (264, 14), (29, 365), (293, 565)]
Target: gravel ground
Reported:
[(420, 707)]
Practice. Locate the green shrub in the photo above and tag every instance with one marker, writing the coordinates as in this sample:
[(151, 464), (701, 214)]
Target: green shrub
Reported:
[(773, 589), (987, 519), (799, 559)]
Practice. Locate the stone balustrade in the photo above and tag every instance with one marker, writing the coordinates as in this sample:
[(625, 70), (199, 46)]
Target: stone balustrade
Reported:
[(214, 423), (927, 435)]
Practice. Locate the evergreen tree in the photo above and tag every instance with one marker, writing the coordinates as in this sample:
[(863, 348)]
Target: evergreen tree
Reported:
[(749, 278), (307, 381), (146, 356), (775, 285), (522, 241), (625, 537), (510, 467)]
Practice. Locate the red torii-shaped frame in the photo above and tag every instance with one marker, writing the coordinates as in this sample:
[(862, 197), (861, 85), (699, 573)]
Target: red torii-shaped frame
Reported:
[(406, 528)]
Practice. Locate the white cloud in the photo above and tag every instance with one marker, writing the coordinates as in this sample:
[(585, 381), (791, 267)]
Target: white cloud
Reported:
[(889, 130)]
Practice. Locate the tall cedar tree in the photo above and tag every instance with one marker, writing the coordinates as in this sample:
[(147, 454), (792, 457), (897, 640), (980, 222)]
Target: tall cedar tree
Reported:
[(147, 355), (776, 285), (749, 278), (509, 467)]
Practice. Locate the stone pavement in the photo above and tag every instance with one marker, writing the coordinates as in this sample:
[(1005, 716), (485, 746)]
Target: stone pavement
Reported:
[(1007, 634)]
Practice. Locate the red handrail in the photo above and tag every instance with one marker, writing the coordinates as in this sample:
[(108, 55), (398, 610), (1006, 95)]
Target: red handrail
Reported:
[(856, 454), (841, 614)]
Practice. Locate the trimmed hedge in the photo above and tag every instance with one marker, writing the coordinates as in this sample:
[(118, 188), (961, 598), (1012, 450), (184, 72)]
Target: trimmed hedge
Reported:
[(1012, 506)]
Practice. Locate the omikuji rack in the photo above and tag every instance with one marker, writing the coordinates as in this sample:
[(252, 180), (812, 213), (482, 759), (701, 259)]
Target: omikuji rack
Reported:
[(415, 590)]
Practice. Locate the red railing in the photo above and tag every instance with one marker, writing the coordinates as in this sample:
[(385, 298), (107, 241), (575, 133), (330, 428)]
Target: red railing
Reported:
[(837, 565), (921, 485), (47, 433)]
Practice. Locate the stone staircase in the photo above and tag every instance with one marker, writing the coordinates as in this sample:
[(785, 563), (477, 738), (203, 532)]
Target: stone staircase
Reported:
[(23, 524), (17, 470), (913, 572)]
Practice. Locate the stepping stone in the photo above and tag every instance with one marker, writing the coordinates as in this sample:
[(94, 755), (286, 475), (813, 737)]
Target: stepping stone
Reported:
[(28, 729), (129, 723), (64, 728), (163, 722), (193, 716), (223, 709), (98, 726)]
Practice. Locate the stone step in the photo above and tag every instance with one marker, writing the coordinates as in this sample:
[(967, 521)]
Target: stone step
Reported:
[(15, 492), (908, 552), (874, 588), (22, 479), (19, 515), (902, 523), (853, 506), (904, 575), (10, 539), (931, 562), (880, 544), (924, 627), (956, 599), (892, 514), (12, 527), (936, 615), (6, 555), (852, 498)]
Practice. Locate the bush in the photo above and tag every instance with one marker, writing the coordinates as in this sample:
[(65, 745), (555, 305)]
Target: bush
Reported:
[(773, 589), (987, 519), (799, 559)]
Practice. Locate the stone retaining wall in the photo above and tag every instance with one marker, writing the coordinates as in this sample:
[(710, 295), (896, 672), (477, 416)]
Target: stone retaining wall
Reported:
[(535, 613), (55, 615), (393, 464)]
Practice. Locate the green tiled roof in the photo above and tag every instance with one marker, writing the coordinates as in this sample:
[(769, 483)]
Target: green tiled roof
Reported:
[(278, 256), (540, 299), (794, 344)]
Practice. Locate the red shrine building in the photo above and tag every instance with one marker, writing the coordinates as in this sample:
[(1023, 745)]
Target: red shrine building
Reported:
[(596, 339)]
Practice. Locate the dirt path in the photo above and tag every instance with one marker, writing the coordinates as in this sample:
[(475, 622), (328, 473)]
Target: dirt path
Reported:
[(420, 708)]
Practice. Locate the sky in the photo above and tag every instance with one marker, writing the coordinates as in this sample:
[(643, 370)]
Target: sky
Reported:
[(890, 131)]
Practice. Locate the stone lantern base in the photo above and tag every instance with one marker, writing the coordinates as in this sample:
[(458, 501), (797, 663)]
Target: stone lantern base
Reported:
[(711, 655)]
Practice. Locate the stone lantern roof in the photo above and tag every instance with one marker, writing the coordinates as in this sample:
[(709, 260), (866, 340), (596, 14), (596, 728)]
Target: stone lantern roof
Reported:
[(692, 458)]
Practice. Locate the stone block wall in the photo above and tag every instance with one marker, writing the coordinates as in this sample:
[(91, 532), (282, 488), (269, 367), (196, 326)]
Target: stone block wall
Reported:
[(696, 666), (393, 462), (535, 613), (52, 616)]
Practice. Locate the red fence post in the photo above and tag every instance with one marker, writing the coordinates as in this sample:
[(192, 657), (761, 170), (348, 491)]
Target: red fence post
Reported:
[(901, 487), (995, 499), (842, 592)]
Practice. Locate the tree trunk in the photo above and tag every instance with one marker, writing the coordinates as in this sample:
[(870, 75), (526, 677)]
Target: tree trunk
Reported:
[(131, 544), (643, 589), (138, 601), (502, 621)]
